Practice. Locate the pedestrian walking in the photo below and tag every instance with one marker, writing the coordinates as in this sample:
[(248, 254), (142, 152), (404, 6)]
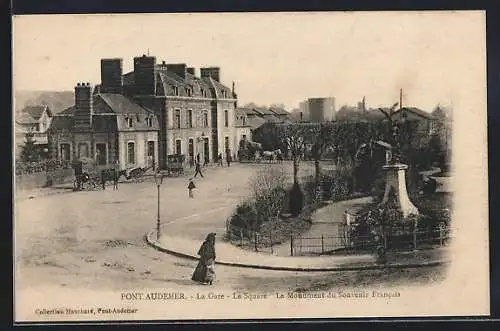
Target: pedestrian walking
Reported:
[(205, 270), (198, 158), (191, 187), (197, 170), (103, 179), (228, 159), (219, 159), (206, 161)]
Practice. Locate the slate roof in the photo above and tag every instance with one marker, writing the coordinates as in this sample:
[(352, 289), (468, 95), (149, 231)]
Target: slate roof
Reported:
[(31, 114), (416, 111), (255, 122), (264, 111), (247, 111), (110, 114), (279, 111)]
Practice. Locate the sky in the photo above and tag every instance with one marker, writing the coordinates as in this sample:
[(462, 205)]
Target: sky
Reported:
[(272, 57)]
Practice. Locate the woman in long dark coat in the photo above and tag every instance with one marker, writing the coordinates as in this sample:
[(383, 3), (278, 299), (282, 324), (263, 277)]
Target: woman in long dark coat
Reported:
[(204, 272)]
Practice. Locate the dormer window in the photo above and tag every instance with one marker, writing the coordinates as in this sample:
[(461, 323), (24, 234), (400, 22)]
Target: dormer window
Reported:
[(202, 91), (129, 121), (188, 91), (149, 121), (175, 90)]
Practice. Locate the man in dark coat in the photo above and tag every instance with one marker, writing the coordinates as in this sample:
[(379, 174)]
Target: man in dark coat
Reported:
[(197, 170)]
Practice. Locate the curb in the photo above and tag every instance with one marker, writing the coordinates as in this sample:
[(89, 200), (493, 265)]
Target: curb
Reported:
[(277, 268)]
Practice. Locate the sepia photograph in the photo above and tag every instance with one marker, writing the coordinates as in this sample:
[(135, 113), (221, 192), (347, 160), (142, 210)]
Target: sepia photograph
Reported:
[(243, 166)]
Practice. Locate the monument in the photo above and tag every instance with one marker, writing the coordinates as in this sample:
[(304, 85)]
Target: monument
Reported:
[(396, 174)]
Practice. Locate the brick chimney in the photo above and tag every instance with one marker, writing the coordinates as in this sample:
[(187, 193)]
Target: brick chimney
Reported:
[(145, 75), (179, 69), (112, 76), (213, 72), (83, 104)]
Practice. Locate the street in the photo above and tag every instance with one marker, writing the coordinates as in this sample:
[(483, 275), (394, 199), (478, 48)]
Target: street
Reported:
[(95, 239)]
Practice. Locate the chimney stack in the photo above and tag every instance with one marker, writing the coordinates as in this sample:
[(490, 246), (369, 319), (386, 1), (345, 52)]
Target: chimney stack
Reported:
[(178, 69), (83, 105), (213, 72), (112, 75), (145, 75)]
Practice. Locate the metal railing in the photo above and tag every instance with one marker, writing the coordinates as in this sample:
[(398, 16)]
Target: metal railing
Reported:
[(341, 243)]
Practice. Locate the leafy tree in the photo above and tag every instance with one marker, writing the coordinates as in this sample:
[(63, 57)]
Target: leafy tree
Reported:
[(30, 152), (268, 135), (294, 137)]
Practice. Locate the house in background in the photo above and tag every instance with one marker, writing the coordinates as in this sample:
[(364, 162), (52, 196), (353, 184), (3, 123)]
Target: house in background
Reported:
[(35, 120), (243, 129), (425, 122), (107, 127)]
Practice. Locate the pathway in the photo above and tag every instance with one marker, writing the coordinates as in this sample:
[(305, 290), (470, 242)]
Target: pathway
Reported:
[(326, 222)]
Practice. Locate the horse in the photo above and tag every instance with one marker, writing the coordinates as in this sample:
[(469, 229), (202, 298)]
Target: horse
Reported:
[(269, 155), (112, 175)]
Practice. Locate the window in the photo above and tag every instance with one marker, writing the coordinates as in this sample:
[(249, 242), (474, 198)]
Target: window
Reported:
[(37, 127), (177, 119), (226, 118), (191, 148), (203, 92), (205, 119), (188, 91), (149, 121), (129, 121), (83, 150), (178, 147), (131, 153), (175, 90), (244, 136), (190, 118), (101, 155), (65, 152), (244, 120), (226, 145), (151, 153)]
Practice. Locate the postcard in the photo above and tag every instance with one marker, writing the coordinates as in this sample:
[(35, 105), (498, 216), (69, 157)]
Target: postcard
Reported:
[(250, 166)]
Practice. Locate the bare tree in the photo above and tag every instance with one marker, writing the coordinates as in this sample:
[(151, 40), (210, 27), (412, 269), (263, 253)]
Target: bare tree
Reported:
[(268, 189), (294, 136), (321, 137)]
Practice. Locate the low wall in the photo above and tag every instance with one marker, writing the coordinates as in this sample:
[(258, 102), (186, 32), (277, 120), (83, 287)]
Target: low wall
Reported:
[(41, 179)]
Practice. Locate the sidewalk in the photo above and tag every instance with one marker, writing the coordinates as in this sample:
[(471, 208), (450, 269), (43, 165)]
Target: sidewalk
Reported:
[(230, 255)]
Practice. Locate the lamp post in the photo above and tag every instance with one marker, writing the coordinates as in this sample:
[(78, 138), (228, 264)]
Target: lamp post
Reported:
[(158, 180)]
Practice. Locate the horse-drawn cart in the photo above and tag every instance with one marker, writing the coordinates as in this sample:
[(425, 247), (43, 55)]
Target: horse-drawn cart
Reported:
[(175, 164), (86, 175)]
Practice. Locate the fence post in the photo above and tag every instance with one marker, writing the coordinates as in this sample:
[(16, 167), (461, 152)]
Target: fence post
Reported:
[(322, 244), (271, 241), (241, 237), (415, 239), (291, 245), (441, 235), (255, 239)]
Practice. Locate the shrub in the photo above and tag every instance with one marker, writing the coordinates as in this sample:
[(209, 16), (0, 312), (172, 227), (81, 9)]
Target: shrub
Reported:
[(296, 200), (245, 218), (341, 188)]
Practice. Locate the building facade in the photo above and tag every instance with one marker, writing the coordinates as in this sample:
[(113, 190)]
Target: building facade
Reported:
[(107, 127), (195, 113), (35, 120)]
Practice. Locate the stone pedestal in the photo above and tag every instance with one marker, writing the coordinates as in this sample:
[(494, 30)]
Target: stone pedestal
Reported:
[(396, 180)]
